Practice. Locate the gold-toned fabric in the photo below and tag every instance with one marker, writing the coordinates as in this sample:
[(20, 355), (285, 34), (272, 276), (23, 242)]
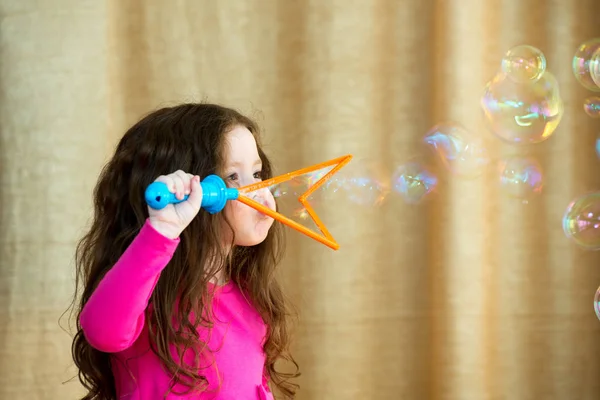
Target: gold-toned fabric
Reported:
[(469, 296)]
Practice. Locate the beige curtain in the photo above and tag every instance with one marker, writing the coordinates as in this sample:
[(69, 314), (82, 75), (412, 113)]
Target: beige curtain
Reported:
[(468, 296)]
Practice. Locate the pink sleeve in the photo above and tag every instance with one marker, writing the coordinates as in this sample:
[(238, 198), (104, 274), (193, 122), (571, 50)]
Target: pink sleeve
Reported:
[(113, 317)]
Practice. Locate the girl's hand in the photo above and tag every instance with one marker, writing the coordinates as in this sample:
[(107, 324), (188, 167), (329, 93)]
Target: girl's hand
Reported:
[(174, 218)]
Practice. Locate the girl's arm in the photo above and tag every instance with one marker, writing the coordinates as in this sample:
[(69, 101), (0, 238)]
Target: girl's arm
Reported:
[(113, 317)]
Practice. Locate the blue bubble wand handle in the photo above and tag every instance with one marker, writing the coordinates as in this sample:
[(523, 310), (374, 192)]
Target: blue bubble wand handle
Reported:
[(215, 195)]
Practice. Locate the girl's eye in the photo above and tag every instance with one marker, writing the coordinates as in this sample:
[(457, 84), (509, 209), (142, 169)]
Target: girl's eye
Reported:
[(232, 177), (258, 175)]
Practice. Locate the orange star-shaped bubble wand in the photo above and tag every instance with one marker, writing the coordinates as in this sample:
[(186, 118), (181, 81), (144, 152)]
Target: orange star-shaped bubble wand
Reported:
[(325, 237)]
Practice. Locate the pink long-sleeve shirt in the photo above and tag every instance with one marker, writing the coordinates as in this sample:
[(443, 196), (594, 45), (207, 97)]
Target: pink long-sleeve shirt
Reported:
[(113, 321)]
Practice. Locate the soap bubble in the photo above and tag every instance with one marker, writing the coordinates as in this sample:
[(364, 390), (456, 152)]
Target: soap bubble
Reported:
[(292, 188), (363, 182), (521, 177), (298, 185), (287, 196), (413, 181), (583, 64), (591, 106), (581, 221), (302, 213), (459, 151), (522, 113), (594, 67), (597, 303), (524, 64)]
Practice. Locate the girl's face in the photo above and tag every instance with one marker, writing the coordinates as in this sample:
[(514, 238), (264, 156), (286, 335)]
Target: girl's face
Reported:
[(243, 167)]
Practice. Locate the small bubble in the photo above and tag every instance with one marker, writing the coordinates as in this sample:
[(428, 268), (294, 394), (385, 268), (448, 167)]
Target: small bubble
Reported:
[(524, 64), (585, 64), (413, 182), (594, 67), (591, 106), (597, 303), (521, 177), (460, 151), (581, 221)]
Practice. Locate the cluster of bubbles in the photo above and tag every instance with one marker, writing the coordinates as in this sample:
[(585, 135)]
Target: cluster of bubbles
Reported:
[(581, 220), (522, 103), (521, 106), (369, 183), (361, 182), (586, 67)]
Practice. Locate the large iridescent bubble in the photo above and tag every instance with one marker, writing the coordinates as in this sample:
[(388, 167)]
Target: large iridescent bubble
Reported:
[(581, 221), (522, 113), (585, 66)]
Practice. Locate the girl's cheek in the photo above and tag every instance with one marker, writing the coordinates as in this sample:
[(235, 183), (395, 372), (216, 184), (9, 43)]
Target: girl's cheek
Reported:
[(240, 209), (232, 210), (271, 202)]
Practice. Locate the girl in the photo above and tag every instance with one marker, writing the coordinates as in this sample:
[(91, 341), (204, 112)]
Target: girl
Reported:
[(178, 303)]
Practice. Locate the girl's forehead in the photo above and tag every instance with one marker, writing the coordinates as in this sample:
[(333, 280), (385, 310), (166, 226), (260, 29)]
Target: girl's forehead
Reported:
[(240, 144)]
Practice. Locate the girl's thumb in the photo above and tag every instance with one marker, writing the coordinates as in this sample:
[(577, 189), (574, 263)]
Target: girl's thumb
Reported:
[(195, 197)]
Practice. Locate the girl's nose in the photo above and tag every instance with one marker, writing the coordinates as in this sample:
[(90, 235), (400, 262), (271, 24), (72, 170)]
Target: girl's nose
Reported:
[(261, 196)]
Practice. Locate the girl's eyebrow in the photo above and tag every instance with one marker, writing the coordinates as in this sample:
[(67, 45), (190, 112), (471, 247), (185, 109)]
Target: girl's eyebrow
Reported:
[(239, 163)]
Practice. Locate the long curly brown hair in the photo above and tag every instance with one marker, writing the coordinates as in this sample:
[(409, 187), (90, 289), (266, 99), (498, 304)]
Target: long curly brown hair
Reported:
[(189, 137)]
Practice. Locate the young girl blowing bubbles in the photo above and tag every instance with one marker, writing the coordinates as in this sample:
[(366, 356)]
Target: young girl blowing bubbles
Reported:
[(178, 303)]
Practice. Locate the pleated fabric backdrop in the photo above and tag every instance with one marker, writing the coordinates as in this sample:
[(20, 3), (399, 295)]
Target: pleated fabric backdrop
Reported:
[(468, 296)]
